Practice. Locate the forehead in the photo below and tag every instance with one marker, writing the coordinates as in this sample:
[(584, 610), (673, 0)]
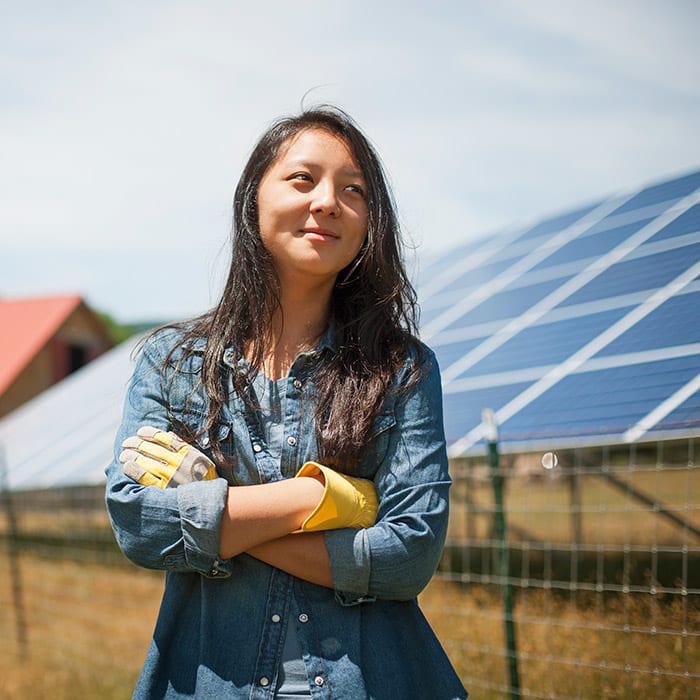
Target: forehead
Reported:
[(314, 146)]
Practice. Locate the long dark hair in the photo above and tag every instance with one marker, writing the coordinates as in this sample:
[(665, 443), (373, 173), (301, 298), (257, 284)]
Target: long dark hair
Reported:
[(373, 307)]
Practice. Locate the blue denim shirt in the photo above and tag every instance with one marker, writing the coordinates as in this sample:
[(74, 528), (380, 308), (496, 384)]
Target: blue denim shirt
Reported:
[(222, 624)]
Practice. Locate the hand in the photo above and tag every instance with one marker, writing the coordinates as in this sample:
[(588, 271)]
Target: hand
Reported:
[(156, 458), (347, 501)]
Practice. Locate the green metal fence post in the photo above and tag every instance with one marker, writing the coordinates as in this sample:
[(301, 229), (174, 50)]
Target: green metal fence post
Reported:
[(491, 434)]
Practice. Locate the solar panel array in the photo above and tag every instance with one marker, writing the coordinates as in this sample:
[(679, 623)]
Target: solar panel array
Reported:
[(581, 329)]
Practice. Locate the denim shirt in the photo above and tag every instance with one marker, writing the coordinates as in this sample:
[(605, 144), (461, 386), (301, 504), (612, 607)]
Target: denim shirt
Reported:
[(222, 623)]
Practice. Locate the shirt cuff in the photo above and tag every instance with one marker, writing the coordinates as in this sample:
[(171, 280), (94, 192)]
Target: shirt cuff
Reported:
[(349, 555), (201, 505)]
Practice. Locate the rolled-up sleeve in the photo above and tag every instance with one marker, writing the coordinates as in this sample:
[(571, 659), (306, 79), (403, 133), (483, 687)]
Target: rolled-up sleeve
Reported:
[(173, 529), (397, 556)]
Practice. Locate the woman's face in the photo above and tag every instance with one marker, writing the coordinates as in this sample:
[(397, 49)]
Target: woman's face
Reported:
[(312, 210)]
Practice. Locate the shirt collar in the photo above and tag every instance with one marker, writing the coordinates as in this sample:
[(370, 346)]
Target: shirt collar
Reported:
[(327, 341)]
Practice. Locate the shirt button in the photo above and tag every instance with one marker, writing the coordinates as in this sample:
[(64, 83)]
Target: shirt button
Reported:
[(318, 680), (205, 441), (276, 618), (303, 617), (291, 441), (297, 384), (214, 572), (257, 448), (264, 681)]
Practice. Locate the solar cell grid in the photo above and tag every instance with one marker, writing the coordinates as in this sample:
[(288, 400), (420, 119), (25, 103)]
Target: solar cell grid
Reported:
[(641, 273), (663, 192), (545, 344), (450, 352), (482, 275), (463, 410), (506, 304), (602, 402), (685, 417), (675, 322), (588, 246), (688, 222), (427, 270), (557, 223), (616, 218), (439, 302)]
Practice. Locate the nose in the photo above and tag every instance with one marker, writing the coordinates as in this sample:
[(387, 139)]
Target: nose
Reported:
[(325, 200)]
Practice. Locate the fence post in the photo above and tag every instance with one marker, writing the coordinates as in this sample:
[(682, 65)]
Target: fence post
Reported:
[(488, 418), (13, 556)]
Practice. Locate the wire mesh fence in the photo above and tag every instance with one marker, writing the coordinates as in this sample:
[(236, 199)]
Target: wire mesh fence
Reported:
[(602, 557), (597, 573)]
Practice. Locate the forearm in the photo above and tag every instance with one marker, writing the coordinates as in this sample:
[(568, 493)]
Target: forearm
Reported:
[(257, 514), (304, 556)]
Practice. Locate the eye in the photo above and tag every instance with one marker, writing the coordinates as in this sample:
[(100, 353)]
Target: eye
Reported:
[(304, 177), (357, 189)]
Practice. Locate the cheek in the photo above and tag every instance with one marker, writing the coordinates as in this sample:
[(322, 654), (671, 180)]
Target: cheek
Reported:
[(361, 231)]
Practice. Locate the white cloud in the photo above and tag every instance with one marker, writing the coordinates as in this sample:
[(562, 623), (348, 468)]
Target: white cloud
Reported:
[(123, 127)]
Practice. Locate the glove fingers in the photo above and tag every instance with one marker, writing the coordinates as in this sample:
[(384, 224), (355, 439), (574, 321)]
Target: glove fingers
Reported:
[(168, 439), (131, 455), (159, 458), (160, 452), (152, 449), (132, 442), (155, 466), (145, 478)]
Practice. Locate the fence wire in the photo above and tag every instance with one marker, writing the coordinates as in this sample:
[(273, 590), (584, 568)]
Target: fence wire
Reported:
[(603, 549), (603, 564)]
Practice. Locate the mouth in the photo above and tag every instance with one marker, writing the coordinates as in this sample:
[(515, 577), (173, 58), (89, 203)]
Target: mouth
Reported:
[(319, 234)]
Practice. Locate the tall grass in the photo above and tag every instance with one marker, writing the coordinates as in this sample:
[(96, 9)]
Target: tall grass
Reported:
[(569, 646), (89, 625)]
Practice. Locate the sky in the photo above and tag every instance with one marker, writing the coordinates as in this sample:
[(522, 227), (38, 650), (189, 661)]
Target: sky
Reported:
[(124, 125)]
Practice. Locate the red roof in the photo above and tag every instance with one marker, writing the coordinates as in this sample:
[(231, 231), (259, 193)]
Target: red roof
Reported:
[(26, 325)]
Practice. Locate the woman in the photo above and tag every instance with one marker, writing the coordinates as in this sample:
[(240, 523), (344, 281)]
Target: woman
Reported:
[(281, 587)]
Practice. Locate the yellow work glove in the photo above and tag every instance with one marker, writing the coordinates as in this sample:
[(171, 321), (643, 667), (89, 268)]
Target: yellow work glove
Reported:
[(156, 458), (347, 501)]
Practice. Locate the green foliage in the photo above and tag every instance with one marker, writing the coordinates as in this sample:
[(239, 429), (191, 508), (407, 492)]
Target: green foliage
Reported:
[(123, 331)]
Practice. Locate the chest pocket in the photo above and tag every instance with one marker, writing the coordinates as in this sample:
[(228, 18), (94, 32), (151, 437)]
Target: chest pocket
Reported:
[(375, 452)]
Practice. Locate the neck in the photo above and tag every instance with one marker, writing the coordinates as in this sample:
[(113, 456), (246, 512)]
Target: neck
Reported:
[(297, 327)]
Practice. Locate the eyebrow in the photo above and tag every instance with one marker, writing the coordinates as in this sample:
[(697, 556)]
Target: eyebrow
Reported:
[(350, 172)]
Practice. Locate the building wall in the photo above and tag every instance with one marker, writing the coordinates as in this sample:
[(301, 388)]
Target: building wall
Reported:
[(79, 340)]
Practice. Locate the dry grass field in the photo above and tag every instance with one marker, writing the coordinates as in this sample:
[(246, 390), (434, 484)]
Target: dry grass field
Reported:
[(88, 627), (592, 648), (88, 623)]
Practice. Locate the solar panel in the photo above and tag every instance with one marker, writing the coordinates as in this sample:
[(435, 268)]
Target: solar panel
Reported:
[(581, 329)]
